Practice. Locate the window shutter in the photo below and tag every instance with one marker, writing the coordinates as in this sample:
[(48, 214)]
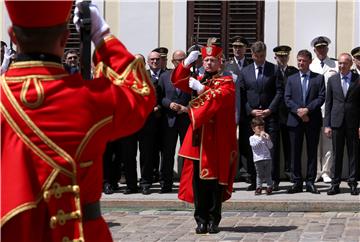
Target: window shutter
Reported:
[(224, 20), (74, 37)]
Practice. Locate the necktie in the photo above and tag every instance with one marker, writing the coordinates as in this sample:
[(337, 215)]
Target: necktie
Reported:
[(239, 63), (322, 64), (303, 86), (259, 76), (344, 85), (178, 91)]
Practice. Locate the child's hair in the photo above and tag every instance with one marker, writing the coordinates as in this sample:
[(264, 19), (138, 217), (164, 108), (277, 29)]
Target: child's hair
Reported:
[(257, 121)]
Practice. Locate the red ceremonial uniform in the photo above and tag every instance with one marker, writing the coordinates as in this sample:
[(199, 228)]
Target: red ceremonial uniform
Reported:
[(213, 112), (54, 127)]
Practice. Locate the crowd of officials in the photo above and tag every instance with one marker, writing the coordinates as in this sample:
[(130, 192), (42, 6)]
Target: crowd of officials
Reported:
[(262, 90)]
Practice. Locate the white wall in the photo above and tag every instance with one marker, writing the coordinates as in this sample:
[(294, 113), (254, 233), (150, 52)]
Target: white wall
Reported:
[(179, 27), (139, 25), (314, 19), (357, 24), (271, 27)]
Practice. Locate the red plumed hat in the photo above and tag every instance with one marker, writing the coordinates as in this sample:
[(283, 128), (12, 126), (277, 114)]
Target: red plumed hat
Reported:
[(211, 49), (36, 14)]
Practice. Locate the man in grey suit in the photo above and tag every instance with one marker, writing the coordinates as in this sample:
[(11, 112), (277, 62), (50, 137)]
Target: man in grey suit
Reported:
[(175, 122), (304, 95), (262, 92), (342, 120)]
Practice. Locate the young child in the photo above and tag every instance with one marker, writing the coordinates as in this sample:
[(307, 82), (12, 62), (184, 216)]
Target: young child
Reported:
[(261, 144)]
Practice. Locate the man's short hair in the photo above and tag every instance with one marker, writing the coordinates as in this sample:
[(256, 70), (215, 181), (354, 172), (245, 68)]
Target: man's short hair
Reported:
[(305, 53), (71, 51), (257, 121), (35, 39), (258, 47)]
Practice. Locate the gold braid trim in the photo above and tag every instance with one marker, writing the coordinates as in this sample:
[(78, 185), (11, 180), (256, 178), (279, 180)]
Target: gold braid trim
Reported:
[(139, 85), (205, 96)]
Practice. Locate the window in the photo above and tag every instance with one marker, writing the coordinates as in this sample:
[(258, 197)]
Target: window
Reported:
[(224, 20)]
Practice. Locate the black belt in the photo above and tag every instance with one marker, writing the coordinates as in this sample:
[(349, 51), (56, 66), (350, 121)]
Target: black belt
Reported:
[(91, 211)]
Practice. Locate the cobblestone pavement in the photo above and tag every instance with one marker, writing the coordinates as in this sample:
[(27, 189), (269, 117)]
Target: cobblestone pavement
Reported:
[(165, 225)]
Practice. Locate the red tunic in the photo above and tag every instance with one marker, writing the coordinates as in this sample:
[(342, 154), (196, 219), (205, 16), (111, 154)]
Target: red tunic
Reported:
[(54, 130), (214, 112)]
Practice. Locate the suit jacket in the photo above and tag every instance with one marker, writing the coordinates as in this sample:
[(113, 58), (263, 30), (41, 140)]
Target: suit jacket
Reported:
[(265, 96), (232, 67), (155, 82), (315, 97), (169, 95), (340, 109), (282, 77)]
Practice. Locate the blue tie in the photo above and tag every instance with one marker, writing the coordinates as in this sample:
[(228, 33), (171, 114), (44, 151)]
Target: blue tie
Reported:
[(344, 85), (259, 76), (322, 64), (303, 85)]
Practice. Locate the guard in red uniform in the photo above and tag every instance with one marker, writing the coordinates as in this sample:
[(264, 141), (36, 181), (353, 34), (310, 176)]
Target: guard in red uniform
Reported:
[(209, 148), (54, 126)]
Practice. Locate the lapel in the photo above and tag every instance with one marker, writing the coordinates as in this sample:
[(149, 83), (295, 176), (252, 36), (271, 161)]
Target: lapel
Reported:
[(338, 85), (354, 78), (310, 84)]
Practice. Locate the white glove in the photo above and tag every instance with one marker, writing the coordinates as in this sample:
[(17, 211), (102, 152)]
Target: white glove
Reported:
[(6, 61), (193, 56), (99, 28), (196, 85)]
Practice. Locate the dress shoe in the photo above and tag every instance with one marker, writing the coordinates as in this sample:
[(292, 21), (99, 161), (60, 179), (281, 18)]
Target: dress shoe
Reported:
[(334, 189), (310, 187), (145, 191), (201, 229), (258, 191), (296, 188), (107, 188), (213, 229), (166, 190), (252, 187), (353, 190), (326, 178), (275, 186), (130, 190), (269, 190)]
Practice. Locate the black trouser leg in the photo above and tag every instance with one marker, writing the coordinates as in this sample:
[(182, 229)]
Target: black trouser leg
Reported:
[(312, 141), (200, 214), (272, 127), (215, 201), (128, 155), (286, 146), (296, 135)]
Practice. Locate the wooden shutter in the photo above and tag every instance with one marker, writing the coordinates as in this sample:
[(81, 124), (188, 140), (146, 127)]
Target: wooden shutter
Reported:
[(74, 38), (224, 20)]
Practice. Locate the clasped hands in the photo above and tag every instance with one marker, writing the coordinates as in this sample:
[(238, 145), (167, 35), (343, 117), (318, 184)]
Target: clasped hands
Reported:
[(178, 108), (261, 113), (303, 114)]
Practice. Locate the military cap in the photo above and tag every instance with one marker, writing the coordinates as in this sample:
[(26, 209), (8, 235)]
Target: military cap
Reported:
[(34, 14), (162, 51), (355, 52), (195, 47), (282, 50), (320, 41), (238, 40)]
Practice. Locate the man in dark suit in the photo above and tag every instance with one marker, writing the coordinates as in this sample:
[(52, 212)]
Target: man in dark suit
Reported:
[(263, 92), (149, 141), (175, 122), (234, 66), (283, 71), (342, 120), (304, 95)]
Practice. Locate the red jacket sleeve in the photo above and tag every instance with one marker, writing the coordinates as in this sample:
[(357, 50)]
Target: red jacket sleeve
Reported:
[(180, 78)]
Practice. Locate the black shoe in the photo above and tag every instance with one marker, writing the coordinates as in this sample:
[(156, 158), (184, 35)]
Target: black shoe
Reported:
[(310, 187), (201, 229), (213, 229), (145, 191), (166, 190), (107, 188), (296, 188), (353, 190), (252, 187), (334, 189), (276, 186), (131, 190)]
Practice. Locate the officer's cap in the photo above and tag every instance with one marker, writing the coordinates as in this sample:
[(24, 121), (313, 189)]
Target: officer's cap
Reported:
[(282, 50), (320, 41), (37, 14), (239, 41), (355, 52), (162, 51)]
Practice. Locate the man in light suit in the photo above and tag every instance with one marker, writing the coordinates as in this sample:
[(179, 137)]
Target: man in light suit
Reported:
[(175, 122), (342, 120), (234, 66), (304, 95), (327, 67), (263, 92)]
